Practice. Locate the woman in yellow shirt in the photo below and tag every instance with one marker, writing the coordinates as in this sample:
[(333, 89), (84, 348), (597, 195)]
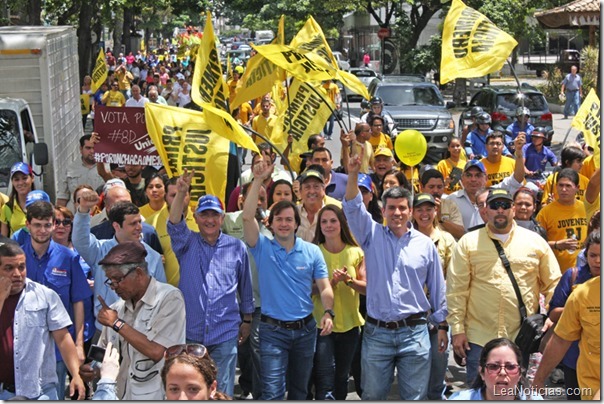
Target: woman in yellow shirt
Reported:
[(456, 159), (346, 266), (12, 215), (155, 191)]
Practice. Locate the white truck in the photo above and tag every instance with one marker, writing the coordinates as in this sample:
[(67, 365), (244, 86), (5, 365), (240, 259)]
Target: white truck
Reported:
[(40, 118)]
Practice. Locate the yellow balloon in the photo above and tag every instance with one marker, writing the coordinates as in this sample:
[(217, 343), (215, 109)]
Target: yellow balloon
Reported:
[(410, 147)]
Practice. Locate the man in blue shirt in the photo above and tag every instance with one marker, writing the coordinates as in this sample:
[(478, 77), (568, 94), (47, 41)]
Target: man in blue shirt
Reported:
[(335, 183), (126, 221), (214, 273), (571, 88), (58, 268), (536, 155), (400, 261), (520, 125), (287, 267), (476, 142)]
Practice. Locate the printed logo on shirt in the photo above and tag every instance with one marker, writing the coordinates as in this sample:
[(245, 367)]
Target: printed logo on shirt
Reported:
[(59, 272), (301, 268)]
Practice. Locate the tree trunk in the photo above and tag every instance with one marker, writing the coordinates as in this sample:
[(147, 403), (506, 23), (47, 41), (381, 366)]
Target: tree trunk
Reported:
[(117, 31), (33, 12), (127, 28), (84, 40)]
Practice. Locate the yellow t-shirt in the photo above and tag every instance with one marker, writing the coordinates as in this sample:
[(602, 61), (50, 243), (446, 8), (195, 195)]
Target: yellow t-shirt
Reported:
[(562, 222), (232, 84), (260, 125), (332, 91), (147, 211), (589, 167), (160, 221), (581, 321), (15, 219), (380, 141), (496, 172), (446, 166), (345, 298), (245, 112), (114, 99), (550, 188)]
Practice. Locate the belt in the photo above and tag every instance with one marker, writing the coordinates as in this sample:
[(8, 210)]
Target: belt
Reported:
[(414, 319), (573, 91), (288, 325), (7, 387)]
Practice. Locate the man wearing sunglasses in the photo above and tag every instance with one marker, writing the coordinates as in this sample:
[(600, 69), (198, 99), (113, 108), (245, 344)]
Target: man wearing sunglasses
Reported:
[(148, 318), (480, 296), (113, 97)]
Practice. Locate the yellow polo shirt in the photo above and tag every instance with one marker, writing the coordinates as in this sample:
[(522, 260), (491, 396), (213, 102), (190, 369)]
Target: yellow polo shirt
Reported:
[(496, 172)]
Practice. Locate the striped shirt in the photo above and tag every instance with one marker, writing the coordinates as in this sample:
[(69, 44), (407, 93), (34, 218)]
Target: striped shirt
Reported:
[(211, 279)]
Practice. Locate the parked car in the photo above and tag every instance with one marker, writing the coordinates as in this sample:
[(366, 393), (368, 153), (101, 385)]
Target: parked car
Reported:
[(343, 63), (419, 106), (366, 76), (501, 103)]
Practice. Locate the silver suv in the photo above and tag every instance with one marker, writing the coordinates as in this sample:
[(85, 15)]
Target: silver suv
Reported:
[(420, 106)]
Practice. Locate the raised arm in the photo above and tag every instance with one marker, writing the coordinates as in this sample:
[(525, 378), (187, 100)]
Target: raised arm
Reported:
[(182, 187), (251, 230), (352, 187)]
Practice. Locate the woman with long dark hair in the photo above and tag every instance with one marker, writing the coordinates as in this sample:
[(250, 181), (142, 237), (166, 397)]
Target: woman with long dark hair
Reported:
[(12, 215)]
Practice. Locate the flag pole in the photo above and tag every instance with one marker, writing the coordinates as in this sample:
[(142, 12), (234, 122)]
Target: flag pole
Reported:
[(517, 82), (283, 158), (340, 121)]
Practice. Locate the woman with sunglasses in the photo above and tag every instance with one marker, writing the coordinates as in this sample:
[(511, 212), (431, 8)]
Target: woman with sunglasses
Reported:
[(188, 374), (499, 374), (526, 205), (346, 266)]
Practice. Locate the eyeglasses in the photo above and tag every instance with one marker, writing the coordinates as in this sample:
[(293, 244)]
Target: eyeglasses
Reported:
[(510, 368), (500, 204), (64, 222), (112, 284), (196, 350)]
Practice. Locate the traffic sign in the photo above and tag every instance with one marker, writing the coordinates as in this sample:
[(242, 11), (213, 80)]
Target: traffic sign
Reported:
[(383, 33)]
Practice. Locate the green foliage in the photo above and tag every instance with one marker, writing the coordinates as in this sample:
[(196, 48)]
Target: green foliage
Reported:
[(589, 68), (551, 89)]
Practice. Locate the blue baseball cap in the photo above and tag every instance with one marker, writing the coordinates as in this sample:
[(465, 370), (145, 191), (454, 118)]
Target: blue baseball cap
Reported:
[(35, 196), (364, 181), (209, 202), (475, 163), (21, 168)]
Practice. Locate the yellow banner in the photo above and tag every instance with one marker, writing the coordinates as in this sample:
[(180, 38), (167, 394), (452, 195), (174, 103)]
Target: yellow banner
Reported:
[(99, 73), (587, 121), (209, 91), (184, 139), (260, 74), (472, 46), (85, 104), (304, 115)]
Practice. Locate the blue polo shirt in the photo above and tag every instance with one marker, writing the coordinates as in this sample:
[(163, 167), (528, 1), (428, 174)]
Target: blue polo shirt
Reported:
[(286, 278), (337, 185), (58, 269), (477, 144), (514, 127), (535, 161)]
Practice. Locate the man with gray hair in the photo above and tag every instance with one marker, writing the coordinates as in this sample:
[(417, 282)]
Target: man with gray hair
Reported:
[(137, 99), (155, 97), (148, 318)]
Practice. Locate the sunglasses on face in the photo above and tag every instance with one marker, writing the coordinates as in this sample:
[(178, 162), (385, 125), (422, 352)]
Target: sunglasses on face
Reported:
[(64, 222), (196, 350), (510, 368), (500, 204)]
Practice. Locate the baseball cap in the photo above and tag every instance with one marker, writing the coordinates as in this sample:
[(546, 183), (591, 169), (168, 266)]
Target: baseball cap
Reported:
[(311, 174), (35, 196), (180, 76), (364, 181), (21, 168), (209, 202), (130, 252), (475, 163), (423, 198), (239, 69), (383, 151), (498, 193)]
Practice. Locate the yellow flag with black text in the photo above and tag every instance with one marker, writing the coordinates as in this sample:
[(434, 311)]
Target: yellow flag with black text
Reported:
[(100, 72), (185, 140), (260, 74), (587, 121), (472, 46), (210, 91)]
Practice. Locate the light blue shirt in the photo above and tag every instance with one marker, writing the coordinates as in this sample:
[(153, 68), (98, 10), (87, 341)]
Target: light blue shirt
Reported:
[(94, 250), (397, 268), (286, 278), (476, 144), (38, 313)]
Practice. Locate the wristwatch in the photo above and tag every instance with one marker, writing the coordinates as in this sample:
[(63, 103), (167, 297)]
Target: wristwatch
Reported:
[(330, 312), (443, 327), (117, 326)]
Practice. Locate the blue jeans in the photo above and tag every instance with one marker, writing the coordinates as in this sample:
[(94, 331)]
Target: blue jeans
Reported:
[(572, 104), (438, 369), (49, 392), (407, 348), (249, 360), (472, 362), (286, 352), (332, 363), (62, 376), (225, 356), (328, 129)]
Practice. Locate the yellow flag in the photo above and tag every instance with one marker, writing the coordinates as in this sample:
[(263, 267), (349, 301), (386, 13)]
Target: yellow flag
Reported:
[(85, 104), (260, 74), (99, 73), (184, 139), (209, 91), (587, 121), (472, 46), (305, 114)]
